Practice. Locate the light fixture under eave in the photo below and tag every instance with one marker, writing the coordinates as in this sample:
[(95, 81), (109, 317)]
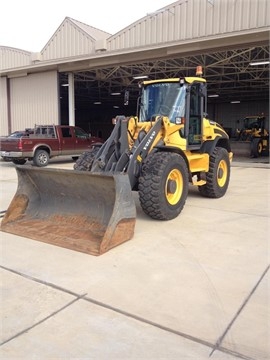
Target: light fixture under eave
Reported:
[(213, 96), (97, 103), (139, 77), (235, 102), (115, 93), (255, 63), (65, 85)]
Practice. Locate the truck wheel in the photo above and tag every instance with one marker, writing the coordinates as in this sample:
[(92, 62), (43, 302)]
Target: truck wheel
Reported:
[(41, 158), (85, 160), (19, 161), (163, 185), (218, 176), (256, 147)]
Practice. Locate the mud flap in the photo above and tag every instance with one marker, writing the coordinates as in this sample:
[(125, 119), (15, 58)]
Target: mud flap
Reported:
[(78, 210)]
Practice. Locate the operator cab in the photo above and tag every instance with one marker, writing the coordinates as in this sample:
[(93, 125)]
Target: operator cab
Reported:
[(183, 101)]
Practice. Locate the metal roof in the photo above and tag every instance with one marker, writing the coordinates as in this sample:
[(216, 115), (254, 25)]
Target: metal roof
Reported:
[(90, 30), (224, 36)]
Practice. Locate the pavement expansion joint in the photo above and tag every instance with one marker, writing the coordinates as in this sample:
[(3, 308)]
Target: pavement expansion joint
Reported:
[(245, 302), (43, 320), (215, 347)]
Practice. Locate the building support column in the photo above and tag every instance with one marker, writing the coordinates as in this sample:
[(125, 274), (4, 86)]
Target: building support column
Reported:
[(71, 99)]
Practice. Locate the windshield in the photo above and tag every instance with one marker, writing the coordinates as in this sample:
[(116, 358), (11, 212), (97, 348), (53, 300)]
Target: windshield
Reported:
[(167, 99), (252, 122)]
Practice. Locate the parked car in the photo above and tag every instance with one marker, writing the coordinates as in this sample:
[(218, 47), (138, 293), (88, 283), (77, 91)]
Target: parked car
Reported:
[(46, 142)]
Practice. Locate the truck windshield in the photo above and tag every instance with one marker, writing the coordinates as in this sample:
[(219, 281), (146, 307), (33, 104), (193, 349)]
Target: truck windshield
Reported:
[(167, 99)]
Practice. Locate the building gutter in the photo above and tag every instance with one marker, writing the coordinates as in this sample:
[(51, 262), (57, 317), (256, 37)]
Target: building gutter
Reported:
[(241, 39)]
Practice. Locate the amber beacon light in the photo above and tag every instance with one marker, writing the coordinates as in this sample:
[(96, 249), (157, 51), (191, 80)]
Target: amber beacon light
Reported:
[(199, 71)]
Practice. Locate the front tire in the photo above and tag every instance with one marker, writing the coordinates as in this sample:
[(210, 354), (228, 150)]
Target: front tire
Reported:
[(41, 158), (218, 176), (85, 160), (163, 185), (256, 147)]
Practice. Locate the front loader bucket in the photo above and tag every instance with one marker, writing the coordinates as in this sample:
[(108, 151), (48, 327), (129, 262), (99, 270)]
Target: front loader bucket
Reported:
[(241, 148), (77, 210)]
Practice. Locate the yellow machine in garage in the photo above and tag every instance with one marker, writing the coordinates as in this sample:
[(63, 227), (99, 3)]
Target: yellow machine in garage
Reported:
[(158, 153), (255, 134)]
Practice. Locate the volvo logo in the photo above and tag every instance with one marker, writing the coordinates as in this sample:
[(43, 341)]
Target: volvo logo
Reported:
[(151, 137)]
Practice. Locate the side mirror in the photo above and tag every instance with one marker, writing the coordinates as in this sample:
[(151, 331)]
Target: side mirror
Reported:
[(126, 97)]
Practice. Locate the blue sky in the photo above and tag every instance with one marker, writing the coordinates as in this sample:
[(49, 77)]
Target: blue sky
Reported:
[(29, 24)]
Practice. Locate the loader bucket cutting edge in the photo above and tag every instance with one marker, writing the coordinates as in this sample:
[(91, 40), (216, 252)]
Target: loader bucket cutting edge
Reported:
[(241, 148), (81, 211)]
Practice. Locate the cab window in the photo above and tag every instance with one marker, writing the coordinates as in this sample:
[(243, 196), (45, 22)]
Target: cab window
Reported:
[(80, 133)]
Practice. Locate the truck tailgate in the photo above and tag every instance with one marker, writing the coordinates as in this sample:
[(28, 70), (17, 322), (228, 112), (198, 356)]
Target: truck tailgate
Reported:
[(9, 144)]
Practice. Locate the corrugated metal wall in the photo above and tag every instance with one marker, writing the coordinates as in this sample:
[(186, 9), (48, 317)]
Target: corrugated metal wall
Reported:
[(12, 58), (3, 107), (229, 114), (34, 100), (69, 40), (190, 19)]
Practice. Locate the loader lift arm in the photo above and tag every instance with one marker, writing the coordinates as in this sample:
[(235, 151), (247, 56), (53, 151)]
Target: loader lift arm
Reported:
[(115, 147), (117, 156)]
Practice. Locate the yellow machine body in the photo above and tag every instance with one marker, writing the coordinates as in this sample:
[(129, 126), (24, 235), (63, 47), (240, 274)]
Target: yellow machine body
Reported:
[(169, 144)]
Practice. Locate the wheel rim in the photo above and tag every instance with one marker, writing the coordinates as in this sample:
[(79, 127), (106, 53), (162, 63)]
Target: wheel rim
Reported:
[(42, 159), (174, 187), (222, 173)]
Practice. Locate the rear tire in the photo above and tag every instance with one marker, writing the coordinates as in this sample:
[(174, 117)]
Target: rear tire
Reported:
[(163, 185), (41, 158), (218, 176), (85, 160)]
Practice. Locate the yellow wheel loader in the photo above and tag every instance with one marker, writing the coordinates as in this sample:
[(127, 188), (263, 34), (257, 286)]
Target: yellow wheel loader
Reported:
[(253, 139), (158, 153)]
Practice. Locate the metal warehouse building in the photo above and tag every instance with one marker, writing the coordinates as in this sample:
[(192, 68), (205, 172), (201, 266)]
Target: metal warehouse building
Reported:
[(82, 74)]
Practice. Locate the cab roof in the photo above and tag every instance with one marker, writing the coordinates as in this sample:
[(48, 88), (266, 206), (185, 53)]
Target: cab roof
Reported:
[(189, 80)]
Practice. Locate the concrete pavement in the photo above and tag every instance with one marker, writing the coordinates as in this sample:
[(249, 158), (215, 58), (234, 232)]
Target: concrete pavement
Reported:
[(192, 288)]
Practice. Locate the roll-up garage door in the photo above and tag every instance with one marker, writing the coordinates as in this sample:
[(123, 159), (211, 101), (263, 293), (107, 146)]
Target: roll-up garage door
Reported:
[(34, 100)]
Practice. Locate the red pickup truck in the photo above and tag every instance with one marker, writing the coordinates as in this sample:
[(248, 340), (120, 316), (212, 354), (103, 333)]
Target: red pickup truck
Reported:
[(45, 142)]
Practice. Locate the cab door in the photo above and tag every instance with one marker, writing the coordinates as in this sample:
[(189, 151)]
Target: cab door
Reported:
[(66, 140), (82, 141), (195, 109)]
